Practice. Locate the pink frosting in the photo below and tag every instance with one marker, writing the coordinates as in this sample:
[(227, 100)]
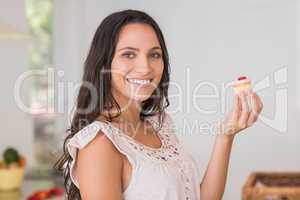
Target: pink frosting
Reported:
[(238, 82)]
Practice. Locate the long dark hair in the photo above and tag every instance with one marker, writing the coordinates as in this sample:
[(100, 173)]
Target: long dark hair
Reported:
[(99, 60)]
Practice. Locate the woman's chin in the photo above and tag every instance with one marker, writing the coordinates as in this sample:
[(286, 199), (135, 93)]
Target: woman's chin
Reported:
[(140, 95), (139, 99)]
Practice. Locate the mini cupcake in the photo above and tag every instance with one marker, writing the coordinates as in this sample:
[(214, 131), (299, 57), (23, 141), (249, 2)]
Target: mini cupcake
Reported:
[(243, 83)]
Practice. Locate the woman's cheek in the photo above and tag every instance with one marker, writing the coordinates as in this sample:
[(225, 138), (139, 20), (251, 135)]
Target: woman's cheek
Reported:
[(159, 70), (125, 66), (121, 67)]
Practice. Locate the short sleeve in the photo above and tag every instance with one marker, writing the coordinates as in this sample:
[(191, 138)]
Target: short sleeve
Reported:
[(79, 141), (86, 135)]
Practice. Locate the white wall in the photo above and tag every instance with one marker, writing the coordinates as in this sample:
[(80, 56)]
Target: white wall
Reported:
[(16, 126), (217, 41)]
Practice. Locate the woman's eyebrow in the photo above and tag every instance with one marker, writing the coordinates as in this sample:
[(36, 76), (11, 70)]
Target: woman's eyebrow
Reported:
[(129, 48), (136, 49), (157, 47)]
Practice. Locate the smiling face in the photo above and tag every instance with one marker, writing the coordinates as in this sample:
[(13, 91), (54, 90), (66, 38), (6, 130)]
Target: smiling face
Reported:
[(137, 65)]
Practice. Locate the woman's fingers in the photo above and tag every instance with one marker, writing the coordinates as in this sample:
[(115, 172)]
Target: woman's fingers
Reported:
[(242, 116), (232, 121), (254, 111), (256, 108), (237, 107), (259, 102), (245, 111)]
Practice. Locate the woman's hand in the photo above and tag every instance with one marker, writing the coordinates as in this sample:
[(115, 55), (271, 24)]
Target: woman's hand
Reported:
[(241, 116)]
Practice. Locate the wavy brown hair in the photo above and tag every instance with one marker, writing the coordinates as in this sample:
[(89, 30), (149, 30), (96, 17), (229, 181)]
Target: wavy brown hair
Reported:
[(91, 104)]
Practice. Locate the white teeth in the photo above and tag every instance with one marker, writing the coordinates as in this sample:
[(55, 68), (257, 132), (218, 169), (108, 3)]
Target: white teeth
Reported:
[(137, 81)]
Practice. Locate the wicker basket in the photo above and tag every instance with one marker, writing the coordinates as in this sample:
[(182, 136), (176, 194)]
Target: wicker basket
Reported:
[(272, 186)]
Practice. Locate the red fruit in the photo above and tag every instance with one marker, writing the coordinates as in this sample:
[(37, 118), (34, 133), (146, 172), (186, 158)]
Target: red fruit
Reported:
[(242, 78), (42, 194), (33, 197), (56, 191), (22, 162)]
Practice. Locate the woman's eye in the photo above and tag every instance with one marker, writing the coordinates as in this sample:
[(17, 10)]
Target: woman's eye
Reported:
[(156, 55), (128, 55)]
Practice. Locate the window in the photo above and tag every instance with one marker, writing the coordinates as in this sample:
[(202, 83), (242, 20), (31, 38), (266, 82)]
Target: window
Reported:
[(39, 16)]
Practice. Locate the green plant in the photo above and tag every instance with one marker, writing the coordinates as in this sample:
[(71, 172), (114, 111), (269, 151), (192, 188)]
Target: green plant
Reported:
[(11, 155)]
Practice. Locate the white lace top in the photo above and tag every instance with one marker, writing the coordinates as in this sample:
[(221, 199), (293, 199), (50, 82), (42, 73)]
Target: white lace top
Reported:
[(165, 173)]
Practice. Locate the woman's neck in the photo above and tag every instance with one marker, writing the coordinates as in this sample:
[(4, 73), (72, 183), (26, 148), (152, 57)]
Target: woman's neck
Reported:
[(130, 109)]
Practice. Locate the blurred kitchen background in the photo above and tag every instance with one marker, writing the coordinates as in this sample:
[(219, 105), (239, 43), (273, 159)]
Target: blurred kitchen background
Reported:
[(43, 44)]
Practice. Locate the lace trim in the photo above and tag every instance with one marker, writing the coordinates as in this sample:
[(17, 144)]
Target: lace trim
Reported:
[(168, 150), (183, 167), (186, 179)]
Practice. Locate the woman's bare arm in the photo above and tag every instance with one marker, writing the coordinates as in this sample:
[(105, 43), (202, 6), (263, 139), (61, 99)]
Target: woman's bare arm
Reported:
[(213, 184), (242, 117), (99, 170)]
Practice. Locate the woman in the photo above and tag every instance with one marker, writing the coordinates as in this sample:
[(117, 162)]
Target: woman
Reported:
[(122, 143)]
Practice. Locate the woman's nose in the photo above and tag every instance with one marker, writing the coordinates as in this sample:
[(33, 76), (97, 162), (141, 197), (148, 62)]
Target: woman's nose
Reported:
[(142, 64)]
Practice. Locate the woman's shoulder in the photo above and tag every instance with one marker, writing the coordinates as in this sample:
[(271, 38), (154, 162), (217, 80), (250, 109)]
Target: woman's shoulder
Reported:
[(99, 143), (94, 138), (99, 149), (98, 160), (91, 147)]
